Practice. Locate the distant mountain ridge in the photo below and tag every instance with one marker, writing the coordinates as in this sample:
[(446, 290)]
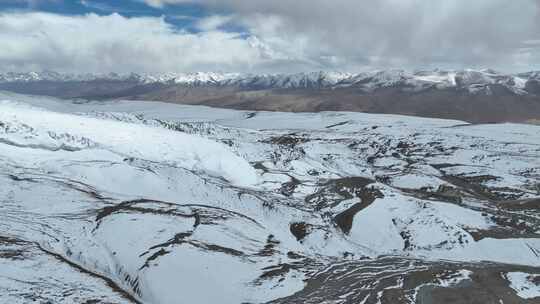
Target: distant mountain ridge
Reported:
[(473, 80), (477, 96)]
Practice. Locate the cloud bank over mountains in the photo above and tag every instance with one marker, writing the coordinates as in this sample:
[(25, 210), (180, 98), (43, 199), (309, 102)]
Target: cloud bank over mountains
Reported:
[(280, 36)]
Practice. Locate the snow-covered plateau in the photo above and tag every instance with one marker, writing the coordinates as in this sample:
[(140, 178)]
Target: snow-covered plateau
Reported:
[(148, 202)]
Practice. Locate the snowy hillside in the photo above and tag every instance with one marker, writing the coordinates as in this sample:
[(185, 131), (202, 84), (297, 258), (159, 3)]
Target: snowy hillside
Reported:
[(147, 202)]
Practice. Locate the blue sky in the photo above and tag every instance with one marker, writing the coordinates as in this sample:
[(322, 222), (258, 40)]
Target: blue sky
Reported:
[(268, 35), (181, 15)]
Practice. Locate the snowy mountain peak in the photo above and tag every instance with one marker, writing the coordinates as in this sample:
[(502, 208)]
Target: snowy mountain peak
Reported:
[(472, 80)]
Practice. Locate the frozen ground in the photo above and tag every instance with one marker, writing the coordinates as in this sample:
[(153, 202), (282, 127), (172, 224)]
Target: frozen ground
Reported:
[(145, 202)]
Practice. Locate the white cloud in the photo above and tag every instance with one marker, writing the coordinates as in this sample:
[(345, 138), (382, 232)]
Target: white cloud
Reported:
[(213, 23), (283, 36), (36, 41), (161, 3), (393, 33)]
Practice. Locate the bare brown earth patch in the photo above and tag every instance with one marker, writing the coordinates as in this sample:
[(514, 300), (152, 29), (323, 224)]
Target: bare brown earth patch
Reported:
[(390, 280), (451, 103)]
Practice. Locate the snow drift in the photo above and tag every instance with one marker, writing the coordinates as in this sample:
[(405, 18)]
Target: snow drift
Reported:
[(30, 126)]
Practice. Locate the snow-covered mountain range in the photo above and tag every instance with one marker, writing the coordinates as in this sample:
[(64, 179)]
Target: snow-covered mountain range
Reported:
[(148, 202), (472, 95), (474, 80)]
